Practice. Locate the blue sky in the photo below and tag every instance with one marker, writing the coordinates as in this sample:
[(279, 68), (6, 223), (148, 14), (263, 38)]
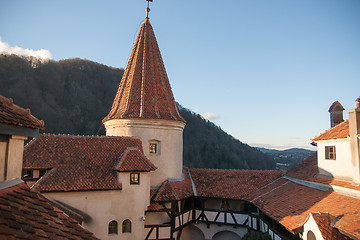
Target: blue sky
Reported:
[(269, 70)]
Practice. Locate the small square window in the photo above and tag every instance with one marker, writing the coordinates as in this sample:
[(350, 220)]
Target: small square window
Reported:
[(134, 178), (153, 148), (330, 152)]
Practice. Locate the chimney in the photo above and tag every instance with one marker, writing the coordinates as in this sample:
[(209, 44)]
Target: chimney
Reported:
[(354, 131), (354, 120), (336, 113)]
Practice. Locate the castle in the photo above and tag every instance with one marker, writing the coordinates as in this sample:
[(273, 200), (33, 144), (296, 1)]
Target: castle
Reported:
[(131, 183)]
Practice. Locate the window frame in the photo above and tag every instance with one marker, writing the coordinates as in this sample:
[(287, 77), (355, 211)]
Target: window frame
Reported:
[(126, 226), (330, 152), (113, 227), (154, 147), (136, 180)]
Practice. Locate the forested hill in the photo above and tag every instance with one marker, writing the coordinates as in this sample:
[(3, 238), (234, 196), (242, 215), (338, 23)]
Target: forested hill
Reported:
[(74, 95)]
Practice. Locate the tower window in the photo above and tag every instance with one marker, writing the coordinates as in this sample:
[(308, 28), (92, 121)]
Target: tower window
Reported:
[(134, 178), (126, 226), (153, 148), (330, 152), (113, 227)]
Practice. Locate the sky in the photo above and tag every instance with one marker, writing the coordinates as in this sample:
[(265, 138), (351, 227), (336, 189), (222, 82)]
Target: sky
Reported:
[(265, 71)]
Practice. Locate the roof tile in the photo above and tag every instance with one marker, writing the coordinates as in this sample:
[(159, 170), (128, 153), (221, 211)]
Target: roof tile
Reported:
[(133, 159), (144, 90), (290, 204), (325, 222), (15, 115), (339, 131), (230, 183), (34, 223), (77, 163)]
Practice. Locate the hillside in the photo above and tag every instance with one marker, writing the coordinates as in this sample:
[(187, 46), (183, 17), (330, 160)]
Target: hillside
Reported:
[(73, 96)]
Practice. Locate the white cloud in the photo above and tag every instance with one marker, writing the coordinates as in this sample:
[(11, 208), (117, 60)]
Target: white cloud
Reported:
[(210, 116), (42, 53)]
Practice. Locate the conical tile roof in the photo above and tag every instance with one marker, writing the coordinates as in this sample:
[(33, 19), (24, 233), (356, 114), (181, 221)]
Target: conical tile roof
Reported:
[(144, 91)]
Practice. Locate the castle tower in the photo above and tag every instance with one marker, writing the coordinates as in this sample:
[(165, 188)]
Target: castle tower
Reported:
[(145, 107)]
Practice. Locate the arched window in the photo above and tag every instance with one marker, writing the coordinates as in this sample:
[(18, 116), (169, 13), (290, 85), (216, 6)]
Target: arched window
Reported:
[(113, 227), (126, 226), (310, 235)]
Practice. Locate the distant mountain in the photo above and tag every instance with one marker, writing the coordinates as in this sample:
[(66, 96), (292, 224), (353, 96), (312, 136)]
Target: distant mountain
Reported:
[(286, 159), (73, 96)]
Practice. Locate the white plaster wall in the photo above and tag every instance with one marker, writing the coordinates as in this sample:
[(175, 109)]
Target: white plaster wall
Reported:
[(15, 157), (310, 225), (342, 168), (169, 162), (105, 206)]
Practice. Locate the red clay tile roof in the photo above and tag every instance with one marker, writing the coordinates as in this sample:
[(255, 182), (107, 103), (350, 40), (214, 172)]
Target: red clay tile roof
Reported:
[(290, 204), (77, 163), (25, 214), (144, 90), (214, 183), (230, 183), (308, 170), (174, 190), (15, 115), (133, 159), (324, 222), (339, 131)]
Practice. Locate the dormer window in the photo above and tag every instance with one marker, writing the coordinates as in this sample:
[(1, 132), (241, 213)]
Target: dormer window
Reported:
[(134, 178), (32, 175), (330, 153), (154, 147)]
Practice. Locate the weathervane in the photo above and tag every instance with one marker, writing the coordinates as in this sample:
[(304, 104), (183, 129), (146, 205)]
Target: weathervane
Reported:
[(147, 9)]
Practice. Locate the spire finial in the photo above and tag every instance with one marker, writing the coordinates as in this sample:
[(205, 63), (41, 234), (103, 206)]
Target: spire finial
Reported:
[(147, 9)]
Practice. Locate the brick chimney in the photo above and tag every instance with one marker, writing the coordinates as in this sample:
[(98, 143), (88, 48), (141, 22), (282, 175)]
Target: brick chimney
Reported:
[(336, 113)]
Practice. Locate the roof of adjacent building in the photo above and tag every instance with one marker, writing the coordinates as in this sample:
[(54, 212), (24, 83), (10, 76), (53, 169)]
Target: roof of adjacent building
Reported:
[(339, 131), (230, 183), (11, 113), (214, 183), (144, 90), (81, 163), (290, 204), (308, 170), (325, 222), (26, 214)]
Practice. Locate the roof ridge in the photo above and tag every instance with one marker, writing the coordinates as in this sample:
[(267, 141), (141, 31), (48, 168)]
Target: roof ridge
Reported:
[(192, 183), (81, 136), (265, 193), (327, 187)]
